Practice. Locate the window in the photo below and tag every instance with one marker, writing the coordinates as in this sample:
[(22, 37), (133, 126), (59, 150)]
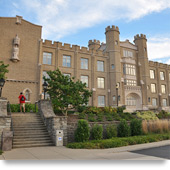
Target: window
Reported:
[(114, 98), (153, 88), (129, 69), (101, 101), (27, 95), (152, 74), (116, 42), (113, 66), (47, 57), (130, 82), (45, 75), (85, 79), (84, 63), (163, 89), (154, 102), (127, 53), (131, 101), (67, 61), (162, 77), (100, 82), (67, 74), (100, 66), (164, 102)]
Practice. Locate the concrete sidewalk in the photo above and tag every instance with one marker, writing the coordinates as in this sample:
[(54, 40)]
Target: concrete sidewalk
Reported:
[(63, 153)]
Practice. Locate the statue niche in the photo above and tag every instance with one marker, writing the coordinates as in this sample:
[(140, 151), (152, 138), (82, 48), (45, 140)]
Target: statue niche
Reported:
[(15, 53)]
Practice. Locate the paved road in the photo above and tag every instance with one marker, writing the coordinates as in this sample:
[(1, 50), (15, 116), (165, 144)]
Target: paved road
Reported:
[(161, 152), (132, 152)]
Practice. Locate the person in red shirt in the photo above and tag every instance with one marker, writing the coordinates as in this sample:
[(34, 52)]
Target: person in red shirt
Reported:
[(22, 101)]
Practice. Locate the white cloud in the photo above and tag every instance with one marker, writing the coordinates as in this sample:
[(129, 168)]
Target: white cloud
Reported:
[(158, 47), (62, 17)]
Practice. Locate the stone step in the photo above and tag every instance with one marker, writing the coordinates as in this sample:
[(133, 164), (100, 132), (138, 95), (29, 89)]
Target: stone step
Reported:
[(31, 139), (35, 136), (33, 145), (32, 142), (30, 133), (29, 128)]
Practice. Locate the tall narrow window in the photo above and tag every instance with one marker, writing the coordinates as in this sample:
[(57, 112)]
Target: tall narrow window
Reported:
[(153, 88), (27, 95), (152, 74), (162, 76), (45, 75), (84, 63), (85, 79), (100, 66), (100, 83), (47, 58), (164, 102), (129, 69), (154, 102), (163, 89), (127, 53), (67, 61), (101, 101)]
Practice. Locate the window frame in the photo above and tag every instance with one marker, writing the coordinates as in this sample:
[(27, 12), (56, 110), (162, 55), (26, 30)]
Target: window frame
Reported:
[(100, 104), (152, 74), (98, 66), (163, 88), (87, 84), (84, 63), (67, 58), (46, 59), (152, 88), (162, 77), (99, 82)]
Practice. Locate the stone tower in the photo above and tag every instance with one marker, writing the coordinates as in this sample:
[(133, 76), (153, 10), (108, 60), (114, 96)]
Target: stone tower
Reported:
[(141, 43), (114, 69)]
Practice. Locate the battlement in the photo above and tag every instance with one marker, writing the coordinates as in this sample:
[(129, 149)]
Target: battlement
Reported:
[(157, 64), (113, 28), (140, 36), (94, 42)]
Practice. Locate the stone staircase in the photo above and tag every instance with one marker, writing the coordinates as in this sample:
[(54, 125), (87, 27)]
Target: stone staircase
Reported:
[(29, 131)]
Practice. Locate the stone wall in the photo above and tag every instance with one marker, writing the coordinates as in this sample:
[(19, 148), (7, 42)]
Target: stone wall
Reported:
[(72, 126), (52, 122)]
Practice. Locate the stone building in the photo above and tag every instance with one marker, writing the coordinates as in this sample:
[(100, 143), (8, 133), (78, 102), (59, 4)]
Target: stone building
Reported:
[(142, 84)]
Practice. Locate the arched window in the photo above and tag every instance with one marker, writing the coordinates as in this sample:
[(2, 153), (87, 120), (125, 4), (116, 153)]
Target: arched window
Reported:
[(27, 95)]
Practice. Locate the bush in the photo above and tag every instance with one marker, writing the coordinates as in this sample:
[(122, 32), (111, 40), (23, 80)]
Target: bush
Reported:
[(100, 117), (91, 117), (163, 115), (123, 129), (82, 133), (136, 127), (111, 131), (97, 132), (118, 142), (108, 117), (81, 116), (120, 109), (147, 115), (28, 108), (109, 110)]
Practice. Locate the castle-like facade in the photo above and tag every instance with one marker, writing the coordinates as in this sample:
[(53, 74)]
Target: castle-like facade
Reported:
[(118, 72)]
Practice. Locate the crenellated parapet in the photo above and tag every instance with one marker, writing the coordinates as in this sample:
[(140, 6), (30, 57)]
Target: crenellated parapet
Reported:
[(141, 36), (157, 64), (112, 28), (94, 44)]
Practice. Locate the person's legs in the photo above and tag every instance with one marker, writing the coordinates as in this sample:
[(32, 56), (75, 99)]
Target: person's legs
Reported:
[(20, 107), (24, 107)]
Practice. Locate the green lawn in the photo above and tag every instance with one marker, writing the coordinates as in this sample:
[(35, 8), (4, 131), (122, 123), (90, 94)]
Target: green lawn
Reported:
[(119, 141)]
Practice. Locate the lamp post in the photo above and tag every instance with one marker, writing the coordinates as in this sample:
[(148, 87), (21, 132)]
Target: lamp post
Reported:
[(117, 87), (2, 82), (45, 85)]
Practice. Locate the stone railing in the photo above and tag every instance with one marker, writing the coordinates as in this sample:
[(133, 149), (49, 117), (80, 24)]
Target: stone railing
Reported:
[(51, 121), (132, 88)]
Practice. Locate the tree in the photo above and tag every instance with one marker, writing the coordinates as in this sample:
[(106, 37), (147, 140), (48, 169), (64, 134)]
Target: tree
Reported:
[(3, 70), (65, 93)]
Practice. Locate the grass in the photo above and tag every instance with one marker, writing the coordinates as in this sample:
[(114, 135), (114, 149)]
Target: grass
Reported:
[(118, 142)]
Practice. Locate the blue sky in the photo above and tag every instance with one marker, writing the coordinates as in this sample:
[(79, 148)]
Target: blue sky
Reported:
[(76, 22)]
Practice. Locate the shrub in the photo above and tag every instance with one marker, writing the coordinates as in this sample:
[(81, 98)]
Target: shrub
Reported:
[(82, 133), (111, 131), (108, 117), (123, 129), (93, 110), (100, 117), (97, 132), (91, 117), (81, 116), (147, 115), (120, 109), (163, 115), (136, 127), (28, 108), (127, 116), (109, 110)]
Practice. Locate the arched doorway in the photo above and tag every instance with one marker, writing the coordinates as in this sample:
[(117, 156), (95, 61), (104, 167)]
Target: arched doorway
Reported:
[(133, 102)]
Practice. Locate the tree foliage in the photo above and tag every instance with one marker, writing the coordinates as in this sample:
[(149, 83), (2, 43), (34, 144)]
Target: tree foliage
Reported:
[(65, 93), (3, 69)]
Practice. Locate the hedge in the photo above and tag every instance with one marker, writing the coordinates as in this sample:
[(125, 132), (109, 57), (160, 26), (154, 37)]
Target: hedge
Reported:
[(28, 108), (118, 142)]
